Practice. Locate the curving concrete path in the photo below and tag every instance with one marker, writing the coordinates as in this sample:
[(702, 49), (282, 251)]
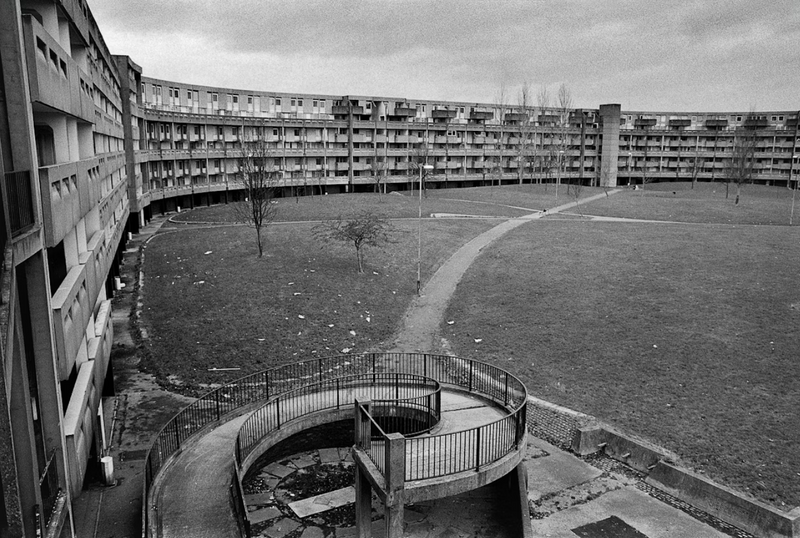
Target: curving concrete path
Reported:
[(421, 321)]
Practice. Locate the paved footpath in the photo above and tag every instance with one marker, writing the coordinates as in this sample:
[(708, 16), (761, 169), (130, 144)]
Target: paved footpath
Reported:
[(421, 320)]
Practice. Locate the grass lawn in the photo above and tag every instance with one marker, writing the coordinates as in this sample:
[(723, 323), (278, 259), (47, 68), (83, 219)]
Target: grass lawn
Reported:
[(686, 335), (510, 201), (705, 203), (211, 303)]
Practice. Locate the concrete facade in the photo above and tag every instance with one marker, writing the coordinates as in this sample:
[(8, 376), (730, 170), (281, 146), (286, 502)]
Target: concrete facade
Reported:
[(65, 209)]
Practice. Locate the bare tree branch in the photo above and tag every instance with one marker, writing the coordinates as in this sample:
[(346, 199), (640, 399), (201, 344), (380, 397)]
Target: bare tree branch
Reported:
[(258, 177), (361, 230)]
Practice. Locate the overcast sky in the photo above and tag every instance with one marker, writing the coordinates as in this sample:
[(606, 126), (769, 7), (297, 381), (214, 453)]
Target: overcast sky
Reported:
[(692, 55)]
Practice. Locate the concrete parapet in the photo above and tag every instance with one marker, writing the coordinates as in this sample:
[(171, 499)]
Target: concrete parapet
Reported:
[(728, 505), (635, 453)]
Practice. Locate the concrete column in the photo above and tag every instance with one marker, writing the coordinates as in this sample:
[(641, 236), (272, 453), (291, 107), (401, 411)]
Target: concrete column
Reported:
[(393, 518), (395, 481), (610, 115), (363, 505)]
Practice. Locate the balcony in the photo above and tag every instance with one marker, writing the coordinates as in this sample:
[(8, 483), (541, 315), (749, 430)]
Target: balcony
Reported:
[(55, 78), (644, 123), (516, 117), (755, 123), (344, 110), (716, 123), (66, 197), (100, 345), (443, 113), (79, 424), (71, 311), (404, 111), (482, 115), (680, 122)]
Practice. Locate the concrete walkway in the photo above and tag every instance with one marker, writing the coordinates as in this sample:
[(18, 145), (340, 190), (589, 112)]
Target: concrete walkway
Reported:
[(193, 497), (421, 321)]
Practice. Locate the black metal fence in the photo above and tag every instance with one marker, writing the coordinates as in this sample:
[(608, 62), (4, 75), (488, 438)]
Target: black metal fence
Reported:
[(407, 402)]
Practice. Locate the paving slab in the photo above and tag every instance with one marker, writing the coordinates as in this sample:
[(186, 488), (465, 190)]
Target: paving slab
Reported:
[(281, 528), (324, 502), (329, 455), (346, 455), (263, 514), (312, 532), (279, 470), (258, 499), (637, 509), (556, 471), (304, 460)]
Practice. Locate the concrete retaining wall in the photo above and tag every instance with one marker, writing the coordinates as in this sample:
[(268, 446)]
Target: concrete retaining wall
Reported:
[(728, 505), (719, 501)]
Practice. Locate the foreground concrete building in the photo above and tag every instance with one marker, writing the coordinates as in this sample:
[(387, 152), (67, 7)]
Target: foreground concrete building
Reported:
[(90, 148)]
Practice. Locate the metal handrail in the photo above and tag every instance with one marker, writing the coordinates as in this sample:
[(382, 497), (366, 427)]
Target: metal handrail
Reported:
[(390, 392)]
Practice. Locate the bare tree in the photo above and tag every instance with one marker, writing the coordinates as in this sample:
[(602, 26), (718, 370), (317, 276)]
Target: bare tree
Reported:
[(361, 230), (378, 168), (502, 105), (527, 130), (695, 168), (564, 103), (739, 166), (258, 177), (605, 177), (543, 103)]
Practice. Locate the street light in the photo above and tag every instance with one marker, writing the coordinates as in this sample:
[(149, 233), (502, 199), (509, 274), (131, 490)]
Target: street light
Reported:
[(419, 229), (558, 176)]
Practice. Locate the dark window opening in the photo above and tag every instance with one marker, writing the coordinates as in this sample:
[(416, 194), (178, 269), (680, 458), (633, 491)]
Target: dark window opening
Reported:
[(57, 263)]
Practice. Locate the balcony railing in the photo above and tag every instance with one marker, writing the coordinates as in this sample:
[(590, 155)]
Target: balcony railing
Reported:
[(20, 201)]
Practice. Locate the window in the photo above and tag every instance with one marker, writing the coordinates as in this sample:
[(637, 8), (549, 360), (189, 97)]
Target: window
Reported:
[(249, 99), (322, 103), (738, 118), (299, 102), (277, 102), (274, 132), (294, 102), (235, 99), (314, 103), (297, 132), (214, 97)]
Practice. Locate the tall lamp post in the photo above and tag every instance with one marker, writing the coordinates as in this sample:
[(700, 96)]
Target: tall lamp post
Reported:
[(558, 176), (419, 230)]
